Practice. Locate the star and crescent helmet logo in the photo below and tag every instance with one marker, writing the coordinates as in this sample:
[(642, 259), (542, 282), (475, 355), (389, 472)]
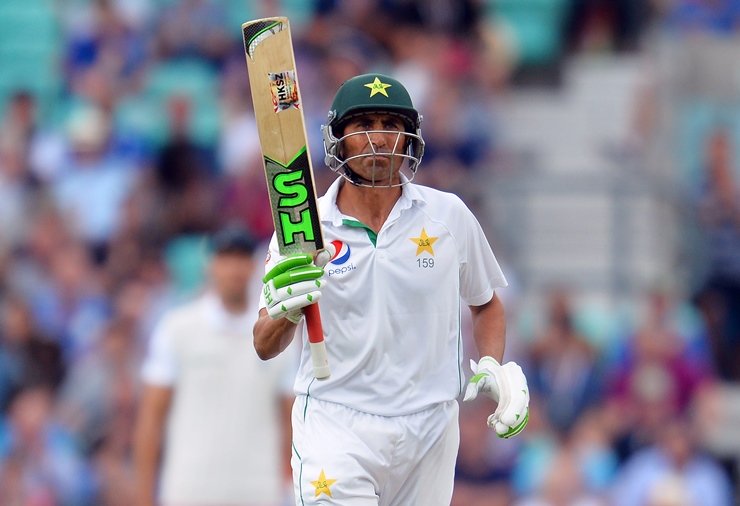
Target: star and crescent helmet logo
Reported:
[(377, 86), (424, 243), (323, 484)]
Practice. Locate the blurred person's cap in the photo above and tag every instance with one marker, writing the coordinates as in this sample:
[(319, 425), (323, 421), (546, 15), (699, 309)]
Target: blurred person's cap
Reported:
[(233, 239), (668, 491), (88, 128)]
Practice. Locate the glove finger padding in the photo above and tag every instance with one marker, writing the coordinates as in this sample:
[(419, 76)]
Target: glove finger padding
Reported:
[(292, 283), (515, 387), (293, 304), (506, 385), (512, 413)]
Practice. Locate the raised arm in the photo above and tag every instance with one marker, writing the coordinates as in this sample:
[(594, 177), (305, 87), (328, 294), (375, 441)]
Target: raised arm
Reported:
[(272, 336)]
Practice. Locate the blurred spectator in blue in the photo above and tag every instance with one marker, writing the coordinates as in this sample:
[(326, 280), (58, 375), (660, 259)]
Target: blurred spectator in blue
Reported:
[(26, 356), (563, 369), (39, 462), (719, 216), (194, 28), (584, 452), (107, 46), (70, 307), (97, 382), (32, 260), (93, 183), (562, 484), (673, 462), (718, 16)]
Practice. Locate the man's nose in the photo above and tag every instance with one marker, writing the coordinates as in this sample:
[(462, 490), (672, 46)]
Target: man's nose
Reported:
[(378, 139)]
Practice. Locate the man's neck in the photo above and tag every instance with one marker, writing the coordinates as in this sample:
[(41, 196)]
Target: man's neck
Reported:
[(234, 306), (371, 206)]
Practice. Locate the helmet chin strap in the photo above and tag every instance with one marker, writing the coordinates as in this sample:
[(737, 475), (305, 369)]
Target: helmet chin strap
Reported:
[(353, 177)]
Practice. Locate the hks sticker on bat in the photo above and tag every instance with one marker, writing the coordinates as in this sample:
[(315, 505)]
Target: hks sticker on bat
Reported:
[(284, 90)]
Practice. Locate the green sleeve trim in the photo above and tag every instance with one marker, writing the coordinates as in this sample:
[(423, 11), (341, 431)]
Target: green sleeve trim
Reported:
[(357, 224)]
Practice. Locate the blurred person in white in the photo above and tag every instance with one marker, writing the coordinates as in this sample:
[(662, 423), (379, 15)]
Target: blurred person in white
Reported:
[(216, 411), (93, 183), (675, 457), (39, 461)]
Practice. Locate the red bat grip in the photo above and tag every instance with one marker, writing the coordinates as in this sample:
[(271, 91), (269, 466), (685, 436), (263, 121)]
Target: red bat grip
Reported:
[(316, 343), (313, 323)]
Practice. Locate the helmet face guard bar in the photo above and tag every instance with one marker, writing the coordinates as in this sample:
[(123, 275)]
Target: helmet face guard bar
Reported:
[(403, 162)]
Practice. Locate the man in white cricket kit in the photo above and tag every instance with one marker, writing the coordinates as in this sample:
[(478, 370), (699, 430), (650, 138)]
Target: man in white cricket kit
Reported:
[(210, 406), (383, 428)]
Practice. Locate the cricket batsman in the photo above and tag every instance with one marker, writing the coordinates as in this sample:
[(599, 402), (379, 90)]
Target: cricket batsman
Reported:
[(383, 428)]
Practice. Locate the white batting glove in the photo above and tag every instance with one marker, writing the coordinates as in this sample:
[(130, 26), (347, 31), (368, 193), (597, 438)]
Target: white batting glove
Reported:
[(507, 385), (292, 284)]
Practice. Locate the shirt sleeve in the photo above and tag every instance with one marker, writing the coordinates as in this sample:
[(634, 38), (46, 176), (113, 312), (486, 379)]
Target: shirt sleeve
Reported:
[(160, 364), (480, 273)]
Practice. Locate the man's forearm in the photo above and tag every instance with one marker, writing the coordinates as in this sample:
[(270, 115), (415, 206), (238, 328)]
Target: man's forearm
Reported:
[(489, 328), (271, 336), (146, 460), (148, 436)]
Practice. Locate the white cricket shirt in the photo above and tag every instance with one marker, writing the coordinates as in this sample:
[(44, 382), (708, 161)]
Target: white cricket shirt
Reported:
[(391, 306), (222, 441)]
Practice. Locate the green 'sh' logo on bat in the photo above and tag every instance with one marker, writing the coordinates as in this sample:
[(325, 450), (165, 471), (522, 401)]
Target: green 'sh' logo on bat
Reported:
[(294, 204)]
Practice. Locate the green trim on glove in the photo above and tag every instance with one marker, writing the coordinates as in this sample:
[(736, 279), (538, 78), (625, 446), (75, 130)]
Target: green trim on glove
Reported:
[(517, 429)]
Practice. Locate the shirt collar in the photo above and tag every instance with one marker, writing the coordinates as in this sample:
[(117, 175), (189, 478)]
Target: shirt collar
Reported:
[(221, 319), (330, 213)]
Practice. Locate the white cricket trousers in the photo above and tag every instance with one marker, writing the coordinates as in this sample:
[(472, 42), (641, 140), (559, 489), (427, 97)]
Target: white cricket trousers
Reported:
[(346, 457)]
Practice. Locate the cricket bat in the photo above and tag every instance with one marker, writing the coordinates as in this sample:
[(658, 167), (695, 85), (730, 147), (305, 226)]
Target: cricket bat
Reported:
[(282, 132)]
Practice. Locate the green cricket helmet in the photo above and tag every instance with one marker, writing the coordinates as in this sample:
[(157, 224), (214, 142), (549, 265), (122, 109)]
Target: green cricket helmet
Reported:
[(372, 93)]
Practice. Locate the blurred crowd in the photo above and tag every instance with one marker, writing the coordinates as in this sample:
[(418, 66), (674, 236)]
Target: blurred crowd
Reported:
[(139, 141)]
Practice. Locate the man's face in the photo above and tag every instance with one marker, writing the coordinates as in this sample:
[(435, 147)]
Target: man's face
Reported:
[(373, 144), (231, 273)]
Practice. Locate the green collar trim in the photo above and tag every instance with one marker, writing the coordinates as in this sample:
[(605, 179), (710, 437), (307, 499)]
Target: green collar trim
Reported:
[(357, 224)]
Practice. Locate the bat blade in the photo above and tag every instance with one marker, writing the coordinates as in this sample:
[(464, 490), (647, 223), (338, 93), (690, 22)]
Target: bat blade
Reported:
[(279, 113)]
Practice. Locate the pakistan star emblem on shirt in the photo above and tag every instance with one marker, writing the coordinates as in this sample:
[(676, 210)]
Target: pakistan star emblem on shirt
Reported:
[(424, 243), (323, 484)]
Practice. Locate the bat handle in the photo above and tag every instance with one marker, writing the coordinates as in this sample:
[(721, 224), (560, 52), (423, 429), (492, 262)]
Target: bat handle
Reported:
[(319, 358)]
